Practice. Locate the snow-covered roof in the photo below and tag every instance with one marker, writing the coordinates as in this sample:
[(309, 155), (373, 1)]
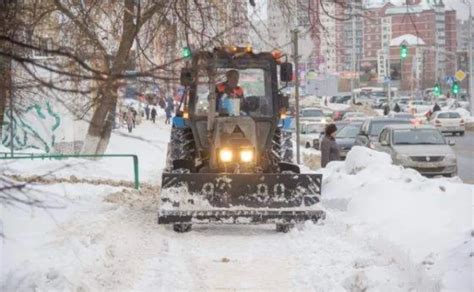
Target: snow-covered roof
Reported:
[(409, 39)]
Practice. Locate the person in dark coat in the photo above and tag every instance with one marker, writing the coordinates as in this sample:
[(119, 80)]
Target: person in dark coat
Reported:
[(147, 112), (436, 108), (329, 148), (386, 109), (396, 108), (153, 114)]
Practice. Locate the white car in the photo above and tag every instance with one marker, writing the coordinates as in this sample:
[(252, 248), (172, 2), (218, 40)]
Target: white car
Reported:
[(310, 134), (315, 116), (448, 122), (418, 106), (354, 117)]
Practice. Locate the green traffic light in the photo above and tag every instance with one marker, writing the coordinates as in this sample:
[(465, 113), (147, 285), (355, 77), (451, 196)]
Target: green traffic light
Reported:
[(186, 52), (403, 51), (455, 87)]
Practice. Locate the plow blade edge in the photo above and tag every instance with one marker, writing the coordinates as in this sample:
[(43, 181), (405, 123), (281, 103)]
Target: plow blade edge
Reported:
[(259, 197)]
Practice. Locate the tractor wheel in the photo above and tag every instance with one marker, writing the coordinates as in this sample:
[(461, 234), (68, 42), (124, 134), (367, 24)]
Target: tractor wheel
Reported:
[(181, 146), (283, 227), (182, 227)]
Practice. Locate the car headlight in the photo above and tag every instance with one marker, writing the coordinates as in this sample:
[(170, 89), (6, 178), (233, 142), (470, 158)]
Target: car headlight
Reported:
[(246, 155), (401, 157), (451, 157), (225, 155)]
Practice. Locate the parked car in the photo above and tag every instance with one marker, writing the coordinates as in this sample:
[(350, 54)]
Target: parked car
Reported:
[(310, 134), (418, 106), (448, 122), (422, 148), (379, 102), (316, 116), (370, 130), (346, 136), (338, 115), (402, 102), (403, 116), (354, 116)]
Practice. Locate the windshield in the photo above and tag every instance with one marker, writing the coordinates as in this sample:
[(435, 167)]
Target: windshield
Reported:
[(449, 115), (310, 129), (349, 131), (314, 113), (418, 136), (252, 95), (378, 126)]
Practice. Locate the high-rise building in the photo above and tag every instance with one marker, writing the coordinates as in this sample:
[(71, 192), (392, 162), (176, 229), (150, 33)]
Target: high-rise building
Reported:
[(427, 27)]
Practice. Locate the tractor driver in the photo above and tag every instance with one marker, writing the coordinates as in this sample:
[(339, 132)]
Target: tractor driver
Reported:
[(229, 87)]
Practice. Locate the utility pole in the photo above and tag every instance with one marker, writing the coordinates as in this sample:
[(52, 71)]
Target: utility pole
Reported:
[(12, 150), (389, 72), (353, 57), (297, 94), (471, 79)]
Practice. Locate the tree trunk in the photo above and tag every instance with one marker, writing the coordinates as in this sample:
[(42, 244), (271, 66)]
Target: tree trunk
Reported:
[(100, 128), (5, 86)]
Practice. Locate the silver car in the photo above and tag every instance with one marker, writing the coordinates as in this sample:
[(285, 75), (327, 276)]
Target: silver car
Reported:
[(422, 148)]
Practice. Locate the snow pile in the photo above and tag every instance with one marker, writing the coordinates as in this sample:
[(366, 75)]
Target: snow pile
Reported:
[(428, 221)]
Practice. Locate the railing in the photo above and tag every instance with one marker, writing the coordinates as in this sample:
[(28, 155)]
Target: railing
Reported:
[(7, 156)]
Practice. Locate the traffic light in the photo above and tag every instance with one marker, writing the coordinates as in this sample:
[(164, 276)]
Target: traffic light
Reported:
[(403, 52), (186, 52), (437, 89), (455, 87)]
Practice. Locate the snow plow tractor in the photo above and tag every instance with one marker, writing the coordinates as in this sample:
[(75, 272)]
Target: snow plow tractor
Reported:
[(230, 158)]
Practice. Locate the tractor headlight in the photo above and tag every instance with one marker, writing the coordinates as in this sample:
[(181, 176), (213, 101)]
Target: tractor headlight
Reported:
[(246, 155), (225, 155)]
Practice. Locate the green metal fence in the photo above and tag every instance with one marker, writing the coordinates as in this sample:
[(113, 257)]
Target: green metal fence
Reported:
[(24, 156)]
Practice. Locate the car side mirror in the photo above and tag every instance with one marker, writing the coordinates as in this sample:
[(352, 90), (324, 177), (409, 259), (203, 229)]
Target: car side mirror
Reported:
[(451, 142), (286, 72), (186, 77)]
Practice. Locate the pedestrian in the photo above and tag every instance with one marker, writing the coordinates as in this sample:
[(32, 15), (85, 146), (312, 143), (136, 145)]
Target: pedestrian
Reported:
[(134, 114), (169, 109), (147, 112), (162, 103), (130, 121), (153, 114), (329, 148), (436, 108), (386, 109), (396, 108)]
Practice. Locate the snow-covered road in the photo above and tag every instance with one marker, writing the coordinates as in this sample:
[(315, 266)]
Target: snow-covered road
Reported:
[(387, 229)]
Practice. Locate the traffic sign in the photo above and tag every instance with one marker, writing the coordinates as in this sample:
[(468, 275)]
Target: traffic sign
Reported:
[(460, 75), (449, 80)]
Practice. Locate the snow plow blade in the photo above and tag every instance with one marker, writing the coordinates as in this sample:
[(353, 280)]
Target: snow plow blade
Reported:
[(228, 198)]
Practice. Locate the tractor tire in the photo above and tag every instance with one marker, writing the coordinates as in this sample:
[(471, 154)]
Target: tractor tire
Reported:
[(181, 146), (182, 227), (283, 227)]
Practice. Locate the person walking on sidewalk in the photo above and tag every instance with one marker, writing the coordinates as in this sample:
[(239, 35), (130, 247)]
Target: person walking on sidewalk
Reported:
[(153, 114), (329, 148)]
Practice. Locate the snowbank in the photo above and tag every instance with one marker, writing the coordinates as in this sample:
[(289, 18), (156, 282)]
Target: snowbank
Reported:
[(428, 220)]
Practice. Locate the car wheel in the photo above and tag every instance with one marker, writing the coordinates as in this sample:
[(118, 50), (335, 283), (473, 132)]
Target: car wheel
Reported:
[(307, 145), (461, 133)]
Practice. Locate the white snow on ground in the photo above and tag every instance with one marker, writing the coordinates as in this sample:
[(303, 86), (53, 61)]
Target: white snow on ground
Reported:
[(148, 141), (427, 221), (387, 229)]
